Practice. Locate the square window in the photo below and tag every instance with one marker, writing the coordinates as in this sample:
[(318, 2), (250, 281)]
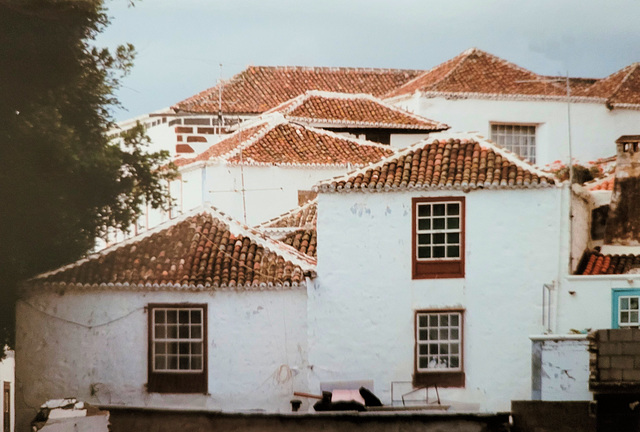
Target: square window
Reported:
[(520, 139)]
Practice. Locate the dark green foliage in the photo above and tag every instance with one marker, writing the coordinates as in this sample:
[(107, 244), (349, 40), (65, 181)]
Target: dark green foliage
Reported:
[(63, 182), (581, 174)]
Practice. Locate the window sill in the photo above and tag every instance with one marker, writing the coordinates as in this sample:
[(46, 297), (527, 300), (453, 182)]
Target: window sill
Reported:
[(441, 379)]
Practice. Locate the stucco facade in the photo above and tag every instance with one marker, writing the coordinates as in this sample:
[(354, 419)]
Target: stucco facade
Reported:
[(7, 384), (361, 310), (593, 126), (93, 346)]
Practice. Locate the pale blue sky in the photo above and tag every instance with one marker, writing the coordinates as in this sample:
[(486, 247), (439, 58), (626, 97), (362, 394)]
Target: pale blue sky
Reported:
[(181, 43)]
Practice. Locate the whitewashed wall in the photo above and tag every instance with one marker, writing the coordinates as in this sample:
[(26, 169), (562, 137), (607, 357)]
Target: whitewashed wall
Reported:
[(255, 340), (560, 368), (361, 310), (594, 128), (7, 375)]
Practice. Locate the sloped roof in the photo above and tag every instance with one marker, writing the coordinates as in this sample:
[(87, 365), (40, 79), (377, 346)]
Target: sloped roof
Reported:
[(305, 215), (353, 110), (477, 72), (444, 161), (303, 240), (595, 263), (620, 89), (604, 184), (259, 88), (204, 250), (273, 140)]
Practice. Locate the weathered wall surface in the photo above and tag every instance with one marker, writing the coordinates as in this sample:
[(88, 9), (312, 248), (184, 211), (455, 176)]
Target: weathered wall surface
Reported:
[(560, 368), (594, 128), (93, 345), (543, 416), (7, 375), (361, 310)]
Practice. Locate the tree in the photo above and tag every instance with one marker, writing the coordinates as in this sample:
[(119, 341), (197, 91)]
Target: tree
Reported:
[(63, 180)]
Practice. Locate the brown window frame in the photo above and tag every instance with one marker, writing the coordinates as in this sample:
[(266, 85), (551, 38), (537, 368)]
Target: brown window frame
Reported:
[(437, 268), (438, 377), (177, 382)]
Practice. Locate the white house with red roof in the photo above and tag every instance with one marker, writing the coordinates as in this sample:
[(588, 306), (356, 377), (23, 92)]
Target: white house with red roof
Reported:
[(526, 112), (431, 267), (200, 313)]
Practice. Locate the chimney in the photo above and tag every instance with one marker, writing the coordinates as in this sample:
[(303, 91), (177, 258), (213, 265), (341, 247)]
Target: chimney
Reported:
[(623, 223)]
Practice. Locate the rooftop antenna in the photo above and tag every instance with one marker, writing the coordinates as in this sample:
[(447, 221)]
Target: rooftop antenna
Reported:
[(220, 118)]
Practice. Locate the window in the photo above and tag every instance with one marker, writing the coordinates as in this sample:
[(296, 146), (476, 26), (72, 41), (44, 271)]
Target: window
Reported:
[(438, 348), (438, 238), (177, 348), (625, 308), (520, 139)]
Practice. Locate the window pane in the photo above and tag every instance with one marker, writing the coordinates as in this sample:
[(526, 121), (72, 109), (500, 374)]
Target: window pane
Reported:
[(184, 363), (160, 347), (633, 317), (453, 251), (424, 224), (183, 347), (423, 349), (624, 303), (444, 348), (196, 316), (160, 332), (438, 252), (433, 320), (433, 349), (172, 316), (423, 363), (624, 317), (453, 209), (454, 348), (438, 223), (172, 332), (161, 363), (172, 363), (453, 223), (159, 316), (633, 302), (454, 319), (184, 331), (438, 209), (455, 362), (444, 320), (453, 238), (438, 238), (196, 332), (196, 363), (424, 252), (424, 239), (196, 348), (454, 334), (422, 320), (433, 334), (172, 348), (444, 334), (424, 210), (423, 335)]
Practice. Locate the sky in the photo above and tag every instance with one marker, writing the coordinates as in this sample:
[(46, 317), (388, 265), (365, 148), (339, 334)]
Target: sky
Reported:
[(181, 44)]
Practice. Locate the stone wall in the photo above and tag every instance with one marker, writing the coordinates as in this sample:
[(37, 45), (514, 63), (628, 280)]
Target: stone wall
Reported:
[(614, 360)]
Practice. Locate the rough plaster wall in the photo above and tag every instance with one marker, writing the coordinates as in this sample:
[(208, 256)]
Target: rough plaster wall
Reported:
[(580, 229), (400, 141), (256, 341), (163, 137), (364, 299), (564, 370), (7, 375), (584, 302), (270, 191), (594, 128)]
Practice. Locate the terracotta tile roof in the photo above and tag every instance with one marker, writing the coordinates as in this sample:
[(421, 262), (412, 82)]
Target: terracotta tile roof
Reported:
[(478, 72), (303, 240), (201, 251), (605, 184), (259, 88), (273, 140), (305, 215), (354, 110), (577, 86), (444, 161), (620, 89), (595, 263)]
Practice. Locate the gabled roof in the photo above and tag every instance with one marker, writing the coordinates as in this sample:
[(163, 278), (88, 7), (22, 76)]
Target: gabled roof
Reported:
[(303, 216), (444, 161), (273, 140), (203, 250), (353, 110), (303, 240), (478, 72), (259, 88), (620, 89)]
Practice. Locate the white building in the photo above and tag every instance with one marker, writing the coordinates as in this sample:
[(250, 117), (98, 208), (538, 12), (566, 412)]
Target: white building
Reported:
[(8, 388), (431, 265), (200, 313), (526, 112)]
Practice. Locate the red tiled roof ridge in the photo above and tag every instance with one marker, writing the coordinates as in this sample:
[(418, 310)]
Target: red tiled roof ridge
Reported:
[(287, 252), (287, 107), (456, 63), (546, 178), (599, 88), (293, 212), (266, 124), (604, 183)]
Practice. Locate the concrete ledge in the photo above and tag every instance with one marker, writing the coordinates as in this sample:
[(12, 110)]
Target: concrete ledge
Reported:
[(124, 419)]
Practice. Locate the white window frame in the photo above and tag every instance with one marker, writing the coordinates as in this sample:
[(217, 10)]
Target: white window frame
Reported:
[(515, 137), (431, 342), (160, 335), (629, 311), (445, 232)]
